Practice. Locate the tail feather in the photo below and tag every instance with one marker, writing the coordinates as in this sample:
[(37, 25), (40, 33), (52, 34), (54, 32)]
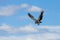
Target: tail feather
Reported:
[(40, 22)]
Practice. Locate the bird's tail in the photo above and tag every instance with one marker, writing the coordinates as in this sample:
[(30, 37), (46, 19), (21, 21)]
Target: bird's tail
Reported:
[(40, 22)]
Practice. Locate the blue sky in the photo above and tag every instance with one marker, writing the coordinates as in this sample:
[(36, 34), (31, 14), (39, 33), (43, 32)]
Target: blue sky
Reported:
[(15, 23)]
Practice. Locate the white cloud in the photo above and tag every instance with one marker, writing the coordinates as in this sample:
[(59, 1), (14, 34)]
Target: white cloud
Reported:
[(5, 27), (24, 6), (10, 29), (28, 29), (35, 9), (31, 8), (11, 9), (8, 10), (44, 36), (51, 28)]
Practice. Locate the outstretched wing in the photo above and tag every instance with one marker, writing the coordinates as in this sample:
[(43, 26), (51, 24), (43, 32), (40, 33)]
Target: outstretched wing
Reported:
[(40, 16), (31, 16)]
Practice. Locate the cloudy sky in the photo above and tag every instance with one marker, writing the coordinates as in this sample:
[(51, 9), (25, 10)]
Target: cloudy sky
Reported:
[(16, 25)]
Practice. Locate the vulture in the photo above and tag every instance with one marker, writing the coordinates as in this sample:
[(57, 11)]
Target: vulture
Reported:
[(37, 21)]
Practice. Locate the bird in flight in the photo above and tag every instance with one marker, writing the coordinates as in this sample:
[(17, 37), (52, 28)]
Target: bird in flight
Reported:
[(37, 21)]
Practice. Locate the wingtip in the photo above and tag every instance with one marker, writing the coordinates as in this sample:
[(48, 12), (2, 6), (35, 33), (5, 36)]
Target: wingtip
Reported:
[(42, 11), (28, 13)]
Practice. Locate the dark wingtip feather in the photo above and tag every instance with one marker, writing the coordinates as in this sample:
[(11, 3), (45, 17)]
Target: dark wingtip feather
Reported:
[(42, 12)]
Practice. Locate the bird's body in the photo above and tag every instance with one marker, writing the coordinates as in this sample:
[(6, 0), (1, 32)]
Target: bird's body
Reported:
[(37, 21)]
